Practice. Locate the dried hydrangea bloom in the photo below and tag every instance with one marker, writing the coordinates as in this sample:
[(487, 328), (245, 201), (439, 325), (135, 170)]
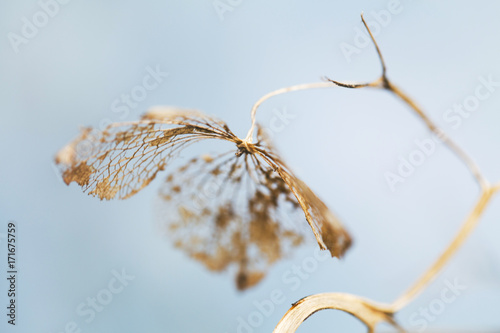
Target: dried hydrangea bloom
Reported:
[(228, 210), (234, 208)]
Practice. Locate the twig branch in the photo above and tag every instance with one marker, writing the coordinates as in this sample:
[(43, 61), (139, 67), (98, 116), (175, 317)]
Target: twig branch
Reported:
[(381, 58), (456, 149), (366, 311), (384, 83), (429, 275), (264, 98)]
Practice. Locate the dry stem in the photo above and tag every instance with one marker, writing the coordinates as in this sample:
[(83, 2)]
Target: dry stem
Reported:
[(305, 86), (366, 311), (457, 241)]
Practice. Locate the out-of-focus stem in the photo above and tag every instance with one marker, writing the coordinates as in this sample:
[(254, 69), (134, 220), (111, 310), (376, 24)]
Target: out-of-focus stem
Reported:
[(429, 275), (366, 311)]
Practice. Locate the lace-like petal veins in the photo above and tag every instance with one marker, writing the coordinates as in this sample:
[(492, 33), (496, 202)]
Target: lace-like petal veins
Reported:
[(125, 157), (238, 216), (104, 190), (80, 174), (242, 218), (329, 232), (244, 210), (327, 229)]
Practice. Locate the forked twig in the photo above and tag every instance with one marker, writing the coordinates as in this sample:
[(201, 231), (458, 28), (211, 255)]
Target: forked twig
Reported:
[(366, 311), (384, 83)]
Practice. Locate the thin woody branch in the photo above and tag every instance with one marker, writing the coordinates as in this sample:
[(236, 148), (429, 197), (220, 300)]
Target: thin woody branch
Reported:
[(368, 312), (295, 316), (384, 83), (264, 98), (431, 273)]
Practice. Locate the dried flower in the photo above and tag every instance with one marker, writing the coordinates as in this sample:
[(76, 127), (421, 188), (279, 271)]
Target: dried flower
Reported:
[(243, 221)]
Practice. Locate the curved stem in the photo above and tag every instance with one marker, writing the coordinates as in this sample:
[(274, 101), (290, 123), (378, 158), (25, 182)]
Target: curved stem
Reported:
[(486, 190), (443, 259), (304, 86), (461, 154), (380, 57), (347, 303), (366, 311)]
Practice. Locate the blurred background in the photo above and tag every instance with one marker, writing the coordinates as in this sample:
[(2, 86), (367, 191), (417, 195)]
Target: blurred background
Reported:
[(70, 64)]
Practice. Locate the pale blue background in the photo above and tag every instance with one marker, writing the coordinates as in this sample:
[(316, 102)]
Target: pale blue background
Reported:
[(91, 52)]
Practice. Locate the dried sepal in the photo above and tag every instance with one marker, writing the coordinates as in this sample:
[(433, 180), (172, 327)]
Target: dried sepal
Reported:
[(233, 211), (371, 313), (247, 229), (329, 232), (125, 157)]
